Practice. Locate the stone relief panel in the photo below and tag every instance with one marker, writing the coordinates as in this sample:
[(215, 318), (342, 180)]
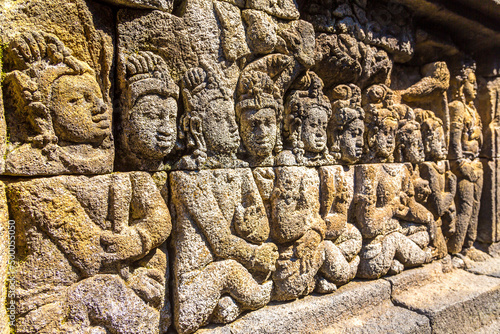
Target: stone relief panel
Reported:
[(57, 117), (86, 245), (297, 144)]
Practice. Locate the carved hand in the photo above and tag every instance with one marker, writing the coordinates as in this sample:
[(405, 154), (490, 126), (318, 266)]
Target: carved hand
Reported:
[(123, 246), (265, 257)]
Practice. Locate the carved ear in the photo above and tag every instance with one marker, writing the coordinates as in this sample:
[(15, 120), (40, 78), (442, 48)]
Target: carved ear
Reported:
[(195, 126), (371, 137)]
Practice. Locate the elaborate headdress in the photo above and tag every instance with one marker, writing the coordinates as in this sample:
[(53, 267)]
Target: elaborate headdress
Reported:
[(147, 73)]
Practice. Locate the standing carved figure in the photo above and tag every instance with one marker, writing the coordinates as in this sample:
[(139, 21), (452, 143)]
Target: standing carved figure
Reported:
[(55, 111), (149, 112), (442, 182), (466, 139), (222, 257)]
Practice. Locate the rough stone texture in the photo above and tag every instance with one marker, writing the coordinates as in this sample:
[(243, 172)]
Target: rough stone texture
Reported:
[(488, 107), (5, 242), (459, 302), (299, 144), (311, 313), (165, 5), (385, 318), (47, 135), (86, 245), (490, 267)]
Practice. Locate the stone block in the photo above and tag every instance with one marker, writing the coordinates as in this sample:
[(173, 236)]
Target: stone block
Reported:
[(312, 313), (385, 318), (457, 302), (489, 214)]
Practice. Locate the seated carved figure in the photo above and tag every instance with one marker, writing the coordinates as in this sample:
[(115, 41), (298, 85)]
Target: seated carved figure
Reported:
[(342, 240), (410, 150), (56, 114), (149, 112), (296, 224), (465, 144), (222, 260), (384, 195), (88, 244), (442, 182)]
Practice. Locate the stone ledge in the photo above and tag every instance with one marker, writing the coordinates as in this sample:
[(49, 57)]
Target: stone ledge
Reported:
[(420, 300)]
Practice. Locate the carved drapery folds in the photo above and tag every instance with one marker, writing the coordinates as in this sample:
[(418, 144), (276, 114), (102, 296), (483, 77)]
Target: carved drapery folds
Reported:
[(289, 146)]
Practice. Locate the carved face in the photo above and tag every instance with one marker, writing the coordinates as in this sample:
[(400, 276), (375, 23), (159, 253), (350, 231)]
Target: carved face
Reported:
[(435, 145), (152, 126), (414, 148), (220, 130), (314, 130), (258, 131), (383, 140), (470, 87), (79, 112), (351, 141)]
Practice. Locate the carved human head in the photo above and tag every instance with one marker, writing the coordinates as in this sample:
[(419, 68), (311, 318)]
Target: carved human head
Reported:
[(306, 117), (208, 126), (346, 128), (259, 116), (381, 123), (150, 107), (433, 135), (409, 142), (463, 81), (55, 94)]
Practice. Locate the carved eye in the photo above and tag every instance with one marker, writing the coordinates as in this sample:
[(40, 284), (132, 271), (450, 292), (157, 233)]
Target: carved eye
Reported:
[(74, 100)]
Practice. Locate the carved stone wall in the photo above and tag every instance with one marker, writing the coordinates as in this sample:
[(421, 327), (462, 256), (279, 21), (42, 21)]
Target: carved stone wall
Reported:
[(169, 165)]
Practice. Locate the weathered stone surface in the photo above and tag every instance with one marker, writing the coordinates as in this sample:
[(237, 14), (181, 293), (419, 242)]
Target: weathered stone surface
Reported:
[(488, 106), (465, 144), (312, 313), (459, 302), (148, 112), (490, 267), (90, 254), (165, 5), (299, 144), (7, 242), (385, 318), (221, 260), (489, 215), (47, 136)]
